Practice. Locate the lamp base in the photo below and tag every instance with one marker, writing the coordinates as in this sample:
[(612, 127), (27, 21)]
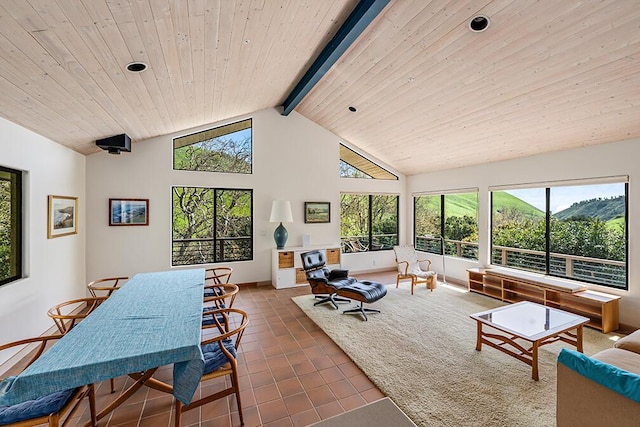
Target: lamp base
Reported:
[(280, 236)]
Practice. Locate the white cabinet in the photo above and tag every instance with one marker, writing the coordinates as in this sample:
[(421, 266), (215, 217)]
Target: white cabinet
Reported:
[(286, 264)]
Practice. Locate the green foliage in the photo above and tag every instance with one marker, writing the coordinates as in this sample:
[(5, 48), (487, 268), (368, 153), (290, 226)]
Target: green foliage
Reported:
[(215, 155)]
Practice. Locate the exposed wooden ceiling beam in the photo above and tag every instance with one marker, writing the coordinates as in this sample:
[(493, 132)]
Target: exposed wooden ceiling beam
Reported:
[(363, 14)]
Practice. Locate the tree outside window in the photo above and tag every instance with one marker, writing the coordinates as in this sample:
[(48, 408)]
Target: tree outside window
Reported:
[(10, 225), (211, 225), (368, 222), (571, 231)]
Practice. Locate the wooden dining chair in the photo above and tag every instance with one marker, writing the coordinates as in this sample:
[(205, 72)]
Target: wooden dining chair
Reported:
[(55, 409), (67, 314), (217, 289), (220, 342), (106, 286)]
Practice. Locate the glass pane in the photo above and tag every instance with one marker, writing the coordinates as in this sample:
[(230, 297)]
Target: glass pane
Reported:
[(10, 225), (384, 222), (192, 226), (223, 149), (354, 222), (234, 225), (518, 229), (427, 212), (461, 225), (588, 233), (348, 171)]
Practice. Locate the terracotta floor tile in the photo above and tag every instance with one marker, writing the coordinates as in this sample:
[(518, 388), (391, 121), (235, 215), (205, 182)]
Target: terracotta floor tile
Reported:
[(321, 395), (290, 386), (305, 418), (297, 403), (329, 410), (342, 389), (272, 411), (266, 393)]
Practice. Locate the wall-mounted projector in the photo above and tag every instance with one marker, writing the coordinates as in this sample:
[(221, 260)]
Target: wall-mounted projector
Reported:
[(115, 144)]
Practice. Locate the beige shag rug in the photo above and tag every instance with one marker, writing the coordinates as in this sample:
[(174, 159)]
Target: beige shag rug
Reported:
[(420, 351)]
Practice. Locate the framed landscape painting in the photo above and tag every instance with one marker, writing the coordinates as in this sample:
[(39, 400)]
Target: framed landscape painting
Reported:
[(317, 212), (128, 211), (62, 216)]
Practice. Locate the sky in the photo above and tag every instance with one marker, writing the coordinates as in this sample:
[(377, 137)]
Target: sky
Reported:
[(564, 197)]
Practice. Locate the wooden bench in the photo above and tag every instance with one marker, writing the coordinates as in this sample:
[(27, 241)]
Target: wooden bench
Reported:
[(569, 295)]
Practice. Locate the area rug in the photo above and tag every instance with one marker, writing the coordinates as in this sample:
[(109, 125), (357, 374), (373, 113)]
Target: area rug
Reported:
[(420, 352)]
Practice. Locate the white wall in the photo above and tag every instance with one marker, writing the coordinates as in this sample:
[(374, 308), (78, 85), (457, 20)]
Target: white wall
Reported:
[(620, 158), (55, 268), (293, 159)]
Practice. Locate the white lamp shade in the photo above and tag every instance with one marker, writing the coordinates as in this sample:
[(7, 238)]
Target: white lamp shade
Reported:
[(281, 211)]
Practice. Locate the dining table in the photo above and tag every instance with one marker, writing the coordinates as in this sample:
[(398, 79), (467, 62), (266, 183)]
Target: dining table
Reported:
[(153, 320)]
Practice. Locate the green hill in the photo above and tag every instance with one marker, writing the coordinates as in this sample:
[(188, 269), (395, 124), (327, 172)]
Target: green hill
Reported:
[(506, 202), (602, 208)]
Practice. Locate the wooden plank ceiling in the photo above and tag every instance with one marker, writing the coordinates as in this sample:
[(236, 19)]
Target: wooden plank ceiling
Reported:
[(430, 94)]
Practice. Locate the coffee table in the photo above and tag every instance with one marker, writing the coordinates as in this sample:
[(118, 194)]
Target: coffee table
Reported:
[(537, 324)]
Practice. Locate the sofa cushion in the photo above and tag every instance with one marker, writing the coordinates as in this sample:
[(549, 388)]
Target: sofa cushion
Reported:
[(613, 377), (631, 342)]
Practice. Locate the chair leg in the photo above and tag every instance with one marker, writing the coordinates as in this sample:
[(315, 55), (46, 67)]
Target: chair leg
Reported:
[(113, 385), (236, 385), (178, 413), (361, 310), (332, 298), (397, 281), (413, 284)]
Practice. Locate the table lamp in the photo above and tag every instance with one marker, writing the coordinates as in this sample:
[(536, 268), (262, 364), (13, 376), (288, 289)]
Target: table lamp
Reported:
[(281, 212)]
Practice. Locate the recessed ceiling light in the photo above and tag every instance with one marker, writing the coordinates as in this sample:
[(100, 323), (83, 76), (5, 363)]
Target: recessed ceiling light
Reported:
[(352, 109), (479, 23), (136, 67)]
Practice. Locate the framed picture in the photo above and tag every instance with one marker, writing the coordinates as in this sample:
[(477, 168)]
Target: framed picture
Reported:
[(317, 212), (128, 211), (62, 216)]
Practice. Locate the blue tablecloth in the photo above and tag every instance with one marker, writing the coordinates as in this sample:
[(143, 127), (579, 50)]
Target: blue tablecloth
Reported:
[(153, 320)]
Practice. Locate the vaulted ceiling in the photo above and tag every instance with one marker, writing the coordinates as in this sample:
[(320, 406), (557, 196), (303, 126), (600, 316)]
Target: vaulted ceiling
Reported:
[(429, 93)]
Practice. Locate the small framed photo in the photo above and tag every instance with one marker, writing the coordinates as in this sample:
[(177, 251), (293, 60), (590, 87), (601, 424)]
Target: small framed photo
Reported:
[(317, 212), (62, 216), (128, 211)]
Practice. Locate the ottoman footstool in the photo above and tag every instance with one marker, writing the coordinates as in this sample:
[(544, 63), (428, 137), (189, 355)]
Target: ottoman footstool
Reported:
[(365, 291)]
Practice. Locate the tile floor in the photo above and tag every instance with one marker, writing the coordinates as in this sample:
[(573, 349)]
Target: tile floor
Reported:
[(291, 373)]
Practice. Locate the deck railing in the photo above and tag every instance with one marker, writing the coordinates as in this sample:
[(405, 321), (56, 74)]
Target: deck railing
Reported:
[(209, 250), (595, 270)]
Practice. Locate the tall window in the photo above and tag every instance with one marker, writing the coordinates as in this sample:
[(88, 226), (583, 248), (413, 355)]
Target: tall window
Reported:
[(211, 225), (447, 219), (223, 149), (368, 222), (572, 231), (10, 225)]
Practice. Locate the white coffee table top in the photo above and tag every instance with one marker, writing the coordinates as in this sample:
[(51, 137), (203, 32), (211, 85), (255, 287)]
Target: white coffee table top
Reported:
[(529, 321)]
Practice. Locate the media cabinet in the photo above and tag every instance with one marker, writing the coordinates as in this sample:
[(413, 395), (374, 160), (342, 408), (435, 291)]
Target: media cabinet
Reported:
[(515, 286)]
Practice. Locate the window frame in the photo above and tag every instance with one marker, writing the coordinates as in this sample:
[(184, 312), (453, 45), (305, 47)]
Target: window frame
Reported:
[(547, 187), (443, 224), (16, 226), (214, 237), (213, 129), (369, 247)]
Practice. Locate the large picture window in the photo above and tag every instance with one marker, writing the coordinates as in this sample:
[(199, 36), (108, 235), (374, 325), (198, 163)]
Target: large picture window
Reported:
[(368, 222), (576, 231), (10, 225), (223, 149), (447, 222), (211, 225)]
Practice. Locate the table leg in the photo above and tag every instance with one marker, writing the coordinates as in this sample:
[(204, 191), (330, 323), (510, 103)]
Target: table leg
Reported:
[(124, 396), (534, 361), (479, 336), (579, 338)]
